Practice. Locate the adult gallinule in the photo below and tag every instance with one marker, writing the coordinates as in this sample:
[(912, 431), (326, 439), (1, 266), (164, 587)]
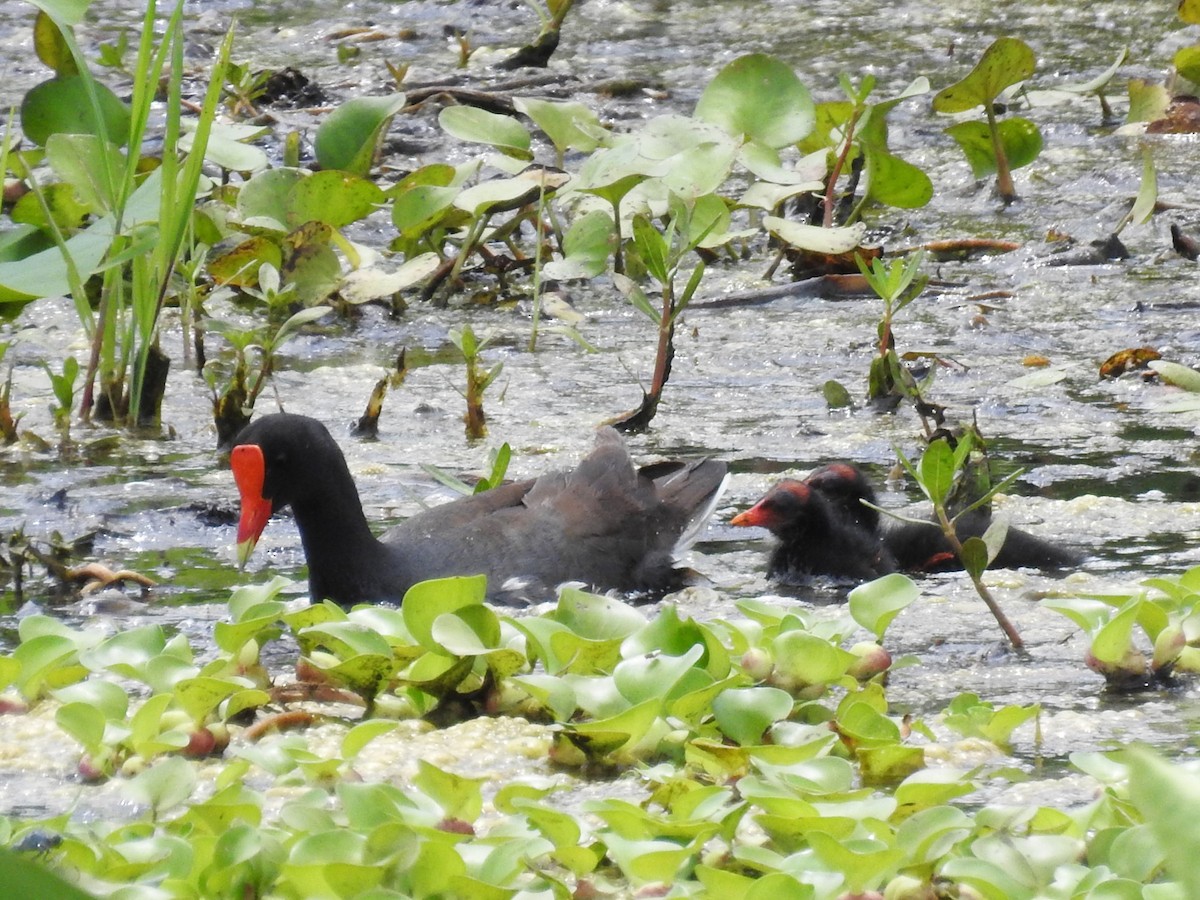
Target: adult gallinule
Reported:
[(605, 523), (821, 520)]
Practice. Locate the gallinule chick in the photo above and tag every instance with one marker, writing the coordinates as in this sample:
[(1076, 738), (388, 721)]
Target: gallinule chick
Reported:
[(605, 523), (815, 535)]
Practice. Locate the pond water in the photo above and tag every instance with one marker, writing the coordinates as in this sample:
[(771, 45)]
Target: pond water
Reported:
[(1107, 466)]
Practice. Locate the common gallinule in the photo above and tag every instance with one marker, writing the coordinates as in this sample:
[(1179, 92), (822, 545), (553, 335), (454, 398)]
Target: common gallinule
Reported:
[(605, 523), (820, 520), (817, 536)]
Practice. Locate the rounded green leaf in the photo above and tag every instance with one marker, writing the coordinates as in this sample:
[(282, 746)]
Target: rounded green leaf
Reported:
[(62, 106), (745, 714), (333, 197), (347, 138), (470, 123), (1176, 374), (424, 602), (758, 98), (1007, 61), (569, 125), (894, 182), (874, 604)]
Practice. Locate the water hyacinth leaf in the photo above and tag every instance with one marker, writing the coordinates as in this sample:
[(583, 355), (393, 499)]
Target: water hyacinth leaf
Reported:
[(700, 170), (84, 722), (1020, 138), (803, 659), (10, 669), (595, 616), (126, 652), (1189, 11), (863, 862), (232, 636), (47, 661), (228, 151), (745, 714), (346, 638), (603, 737), (1165, 794), (243, 700), (569, 125), (459, 797), (62, 106), (1007, 61), (470, 123), (763, 163), (553, 693), (1086, 612), (24, 876), (931, 788), (472, 630), (930, 834), (643, 677), (348, 136), (336, 198), (333, 860), (830, 241), (758, 98), (894, 182), (648, 861), (587, 245), (424, 602), (875, 604), (202, 695), (167, 783), (1112, 643), (1179, 375)]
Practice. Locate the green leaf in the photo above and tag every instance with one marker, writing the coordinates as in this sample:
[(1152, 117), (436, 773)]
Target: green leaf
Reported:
[(336, 198), (167, 784), (426, 601), (974, 556), (831, 241), (1166, 795), (937, 471), (62, 106), (745, 714), (1007, 61), (1187, 62), (1020, 138), (894, 182), (758, 98), (1179, 375), (23, 876), (470, 123), (874, 604), (569, 125), (347, 138), (587, 245)]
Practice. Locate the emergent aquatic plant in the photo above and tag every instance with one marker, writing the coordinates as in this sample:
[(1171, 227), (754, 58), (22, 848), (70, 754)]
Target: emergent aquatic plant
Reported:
[(993, 145)]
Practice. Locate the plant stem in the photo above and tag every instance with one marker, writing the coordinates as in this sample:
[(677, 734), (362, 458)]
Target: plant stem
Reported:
[(839, 164), (1004, 182), (1006, 625)]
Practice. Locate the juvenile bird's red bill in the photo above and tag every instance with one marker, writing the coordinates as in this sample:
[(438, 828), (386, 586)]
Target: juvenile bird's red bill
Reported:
[(249, 472)]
